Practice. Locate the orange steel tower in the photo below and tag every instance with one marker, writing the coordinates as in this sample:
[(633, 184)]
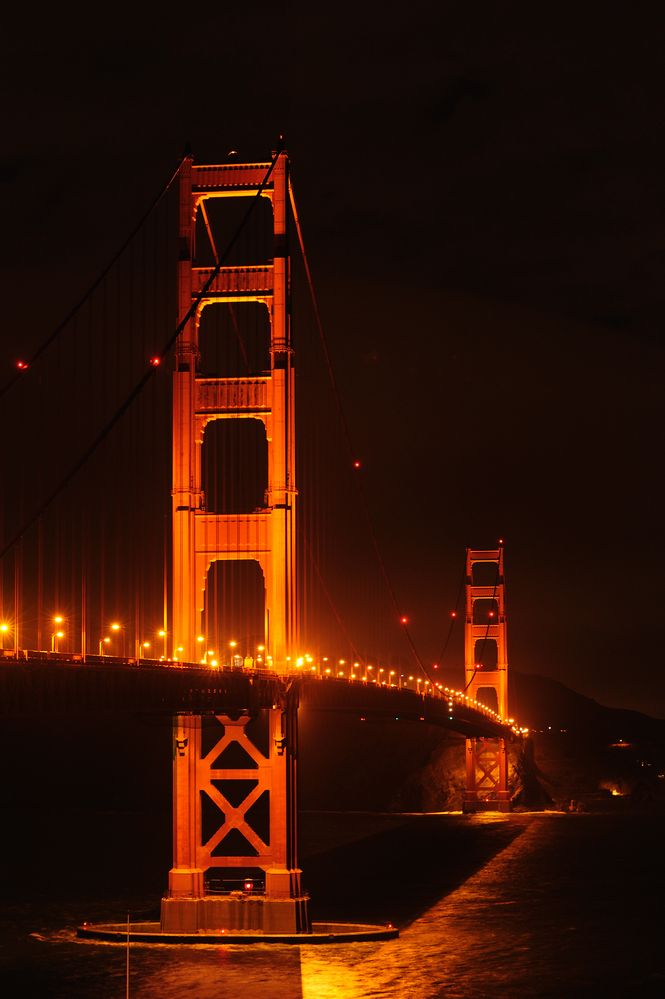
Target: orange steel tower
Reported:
[(486, 675), (266, 536), (234, 775)]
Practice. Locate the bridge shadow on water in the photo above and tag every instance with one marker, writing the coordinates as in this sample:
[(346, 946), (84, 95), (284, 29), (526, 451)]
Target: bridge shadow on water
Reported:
[(357, 866), (392, 868)]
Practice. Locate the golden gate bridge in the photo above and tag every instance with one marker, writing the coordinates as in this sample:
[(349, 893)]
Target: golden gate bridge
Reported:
[(213, 597)]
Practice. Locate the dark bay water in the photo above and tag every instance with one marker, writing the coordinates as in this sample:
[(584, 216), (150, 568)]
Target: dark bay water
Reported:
[(537, 905)]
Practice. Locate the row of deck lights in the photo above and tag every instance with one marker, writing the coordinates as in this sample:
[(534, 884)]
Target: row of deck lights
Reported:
[(369, 673), (56, 635), (304, 662), (58, 621), (104, 644)]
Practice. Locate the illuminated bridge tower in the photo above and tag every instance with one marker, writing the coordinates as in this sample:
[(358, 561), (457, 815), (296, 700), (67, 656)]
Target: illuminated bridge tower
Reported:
[(235, 862), (486, 676), (266, 536)]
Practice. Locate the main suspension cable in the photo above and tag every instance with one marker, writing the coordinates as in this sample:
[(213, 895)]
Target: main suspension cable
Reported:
[(149, 373), (24, 365), (347, 435), (340, 621), (453, 620)]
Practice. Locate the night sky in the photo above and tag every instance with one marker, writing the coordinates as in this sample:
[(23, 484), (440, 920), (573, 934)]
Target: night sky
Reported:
[(480, 191)]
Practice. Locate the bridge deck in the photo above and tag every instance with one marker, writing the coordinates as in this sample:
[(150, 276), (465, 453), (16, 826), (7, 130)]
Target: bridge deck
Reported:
[(35, 685)]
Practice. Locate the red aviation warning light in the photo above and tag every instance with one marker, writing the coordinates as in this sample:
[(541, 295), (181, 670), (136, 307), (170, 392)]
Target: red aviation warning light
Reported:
[(356, 464), (404, 619), (22, 365), (155, 361)]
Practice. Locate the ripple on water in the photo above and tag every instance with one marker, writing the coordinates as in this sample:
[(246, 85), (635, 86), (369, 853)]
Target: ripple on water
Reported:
[(561, 910)]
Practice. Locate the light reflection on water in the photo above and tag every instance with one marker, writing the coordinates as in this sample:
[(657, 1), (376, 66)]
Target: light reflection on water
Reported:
[(525, 925), (545, 917), (425, 961)]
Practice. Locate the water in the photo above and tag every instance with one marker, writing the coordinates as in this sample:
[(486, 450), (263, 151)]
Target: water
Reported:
[(538, 905)]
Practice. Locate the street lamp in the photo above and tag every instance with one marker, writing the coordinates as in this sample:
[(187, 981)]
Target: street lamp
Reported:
[(58, 620), (102, 643), (116, 628), (162, 634), (4, 628)]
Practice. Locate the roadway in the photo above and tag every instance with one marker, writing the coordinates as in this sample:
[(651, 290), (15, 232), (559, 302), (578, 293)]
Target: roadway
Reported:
[(37, 684)]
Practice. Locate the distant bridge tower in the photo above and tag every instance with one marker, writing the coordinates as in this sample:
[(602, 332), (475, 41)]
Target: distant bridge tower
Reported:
[(235, 860), (266, 536), (486, 675)]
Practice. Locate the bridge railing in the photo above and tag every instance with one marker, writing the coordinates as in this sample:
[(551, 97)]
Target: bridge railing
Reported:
[(424, 690)]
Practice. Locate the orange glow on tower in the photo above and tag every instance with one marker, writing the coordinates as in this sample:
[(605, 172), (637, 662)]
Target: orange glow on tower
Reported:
[(486, 670), (266, 536), (200, 538)]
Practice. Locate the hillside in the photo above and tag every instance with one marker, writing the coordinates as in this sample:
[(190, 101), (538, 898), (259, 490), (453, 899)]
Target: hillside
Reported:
[(101, 761), (580, 750)]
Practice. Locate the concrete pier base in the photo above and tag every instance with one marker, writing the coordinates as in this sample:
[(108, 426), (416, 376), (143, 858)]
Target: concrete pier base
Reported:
[(237, 912), (472, 803), (152, 933)]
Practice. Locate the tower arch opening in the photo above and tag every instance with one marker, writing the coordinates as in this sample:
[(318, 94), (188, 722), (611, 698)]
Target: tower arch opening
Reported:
[(218, 219), (234, 466), (485, 574), (485, 611), (486, 653), (234, 610), (234, 339)]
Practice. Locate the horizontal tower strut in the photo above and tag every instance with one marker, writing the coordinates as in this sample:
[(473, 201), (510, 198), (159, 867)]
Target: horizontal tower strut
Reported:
[(234, 282)]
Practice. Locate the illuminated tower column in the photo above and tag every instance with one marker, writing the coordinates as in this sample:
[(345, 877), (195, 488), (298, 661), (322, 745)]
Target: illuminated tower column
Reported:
[(186, 485), (266, 536), (486, 669), (234, 796), (281, 586)]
